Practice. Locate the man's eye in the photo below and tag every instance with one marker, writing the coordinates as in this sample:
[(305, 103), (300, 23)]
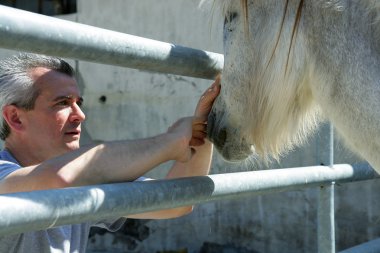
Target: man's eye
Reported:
[(62, 103), (229, 21), (80, 103), (229, 17)]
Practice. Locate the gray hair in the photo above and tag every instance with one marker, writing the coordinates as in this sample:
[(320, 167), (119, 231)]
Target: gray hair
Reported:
[(16, 84)]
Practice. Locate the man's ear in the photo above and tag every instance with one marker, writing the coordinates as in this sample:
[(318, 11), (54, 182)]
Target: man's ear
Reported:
[(13, 116)]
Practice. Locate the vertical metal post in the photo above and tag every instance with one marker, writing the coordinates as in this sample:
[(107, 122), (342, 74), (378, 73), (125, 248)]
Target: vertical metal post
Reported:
[(326, 210)]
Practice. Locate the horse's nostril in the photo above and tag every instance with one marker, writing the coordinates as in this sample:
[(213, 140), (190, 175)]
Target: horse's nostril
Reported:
[(217, 135), (210, 124), (222, 137)]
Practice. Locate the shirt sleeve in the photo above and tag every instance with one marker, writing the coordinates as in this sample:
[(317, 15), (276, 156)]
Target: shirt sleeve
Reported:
[(6, 168), (141, 179), (111, 225)]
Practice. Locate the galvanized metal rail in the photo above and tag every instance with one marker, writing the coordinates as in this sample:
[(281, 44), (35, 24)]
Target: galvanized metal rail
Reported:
[(58, 207), (326, 205), (26, 31)]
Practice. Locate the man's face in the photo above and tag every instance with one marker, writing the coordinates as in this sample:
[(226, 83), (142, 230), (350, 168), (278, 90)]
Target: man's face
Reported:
[(54, 125)]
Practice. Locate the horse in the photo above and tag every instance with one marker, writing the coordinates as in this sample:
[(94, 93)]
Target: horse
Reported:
[(292, 64)]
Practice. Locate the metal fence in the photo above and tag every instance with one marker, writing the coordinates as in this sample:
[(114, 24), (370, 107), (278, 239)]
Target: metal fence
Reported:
[(21, 30)]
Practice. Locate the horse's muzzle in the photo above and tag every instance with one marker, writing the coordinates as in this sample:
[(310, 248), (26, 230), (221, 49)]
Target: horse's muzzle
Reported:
[(227, 140)]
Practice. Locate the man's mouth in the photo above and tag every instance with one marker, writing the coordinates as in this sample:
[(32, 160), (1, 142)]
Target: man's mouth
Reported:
[(74, 132)]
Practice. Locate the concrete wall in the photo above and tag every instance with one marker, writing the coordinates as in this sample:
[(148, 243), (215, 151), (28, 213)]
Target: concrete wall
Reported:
[(127, 104)]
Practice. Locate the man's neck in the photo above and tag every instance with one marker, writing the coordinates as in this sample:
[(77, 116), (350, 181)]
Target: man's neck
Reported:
[(22, 153)]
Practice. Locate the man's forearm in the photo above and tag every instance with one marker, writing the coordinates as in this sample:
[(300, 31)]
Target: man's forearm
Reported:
[(129, 160), (198, 165), (104, 163)]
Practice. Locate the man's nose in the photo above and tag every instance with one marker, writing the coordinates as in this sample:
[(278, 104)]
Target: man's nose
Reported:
[(77, 114)]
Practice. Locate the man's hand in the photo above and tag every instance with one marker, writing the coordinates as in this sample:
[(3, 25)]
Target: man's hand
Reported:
[(192, 131), (207, 100), (181, 130), (202, 111)]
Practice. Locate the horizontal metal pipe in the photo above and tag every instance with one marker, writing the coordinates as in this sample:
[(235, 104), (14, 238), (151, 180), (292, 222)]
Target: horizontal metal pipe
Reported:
[(368, 247), (37, 210), (26, 31)]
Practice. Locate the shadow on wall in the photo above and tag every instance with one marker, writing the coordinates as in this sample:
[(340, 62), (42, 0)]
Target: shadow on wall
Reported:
[(135, 231), (131, 234)]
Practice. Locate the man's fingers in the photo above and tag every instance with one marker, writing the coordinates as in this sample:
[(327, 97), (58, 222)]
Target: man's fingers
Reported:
[(207, 99), (196, 142), (200, 126), (199, 134)]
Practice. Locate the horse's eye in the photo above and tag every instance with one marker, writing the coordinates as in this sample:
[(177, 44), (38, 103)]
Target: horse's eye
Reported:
[(229, 17)]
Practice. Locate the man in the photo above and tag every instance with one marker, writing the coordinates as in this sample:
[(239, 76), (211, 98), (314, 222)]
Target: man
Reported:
[(41, 127)]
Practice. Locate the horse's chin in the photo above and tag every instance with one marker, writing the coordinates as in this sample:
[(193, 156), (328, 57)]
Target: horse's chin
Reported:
[(230, 146), (233, 153)]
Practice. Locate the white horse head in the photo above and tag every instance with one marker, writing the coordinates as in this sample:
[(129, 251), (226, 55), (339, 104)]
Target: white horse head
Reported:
[(289, 62)]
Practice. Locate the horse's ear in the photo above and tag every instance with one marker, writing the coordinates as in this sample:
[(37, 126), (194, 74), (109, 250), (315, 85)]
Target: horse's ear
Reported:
[(12, 116)]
